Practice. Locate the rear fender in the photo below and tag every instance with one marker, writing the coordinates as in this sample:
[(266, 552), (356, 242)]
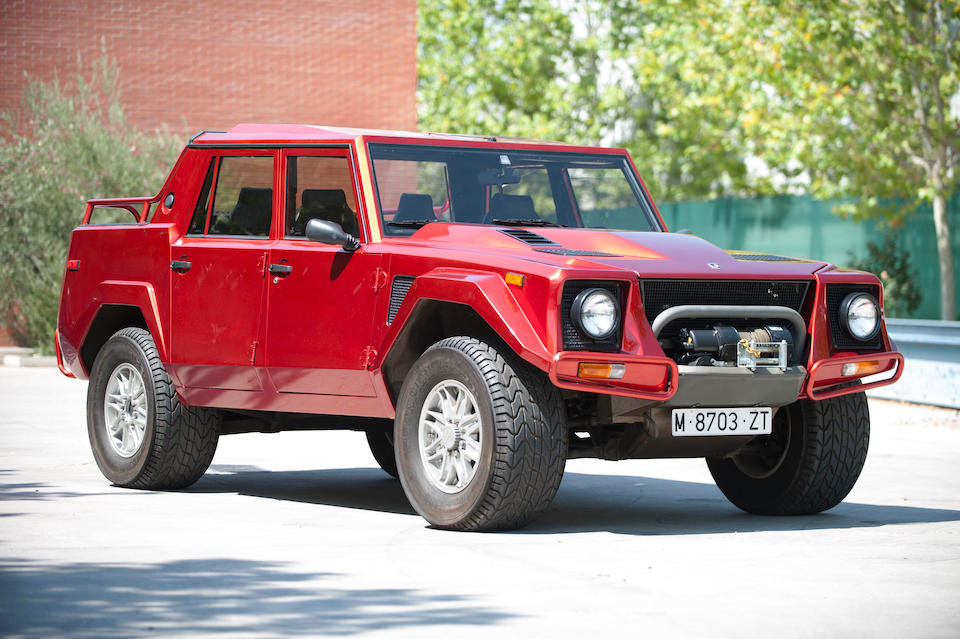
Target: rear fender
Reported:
[(140, 295)]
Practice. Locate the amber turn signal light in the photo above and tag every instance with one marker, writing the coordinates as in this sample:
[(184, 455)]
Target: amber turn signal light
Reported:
[(861, 368), (601, 371), (513, 278)]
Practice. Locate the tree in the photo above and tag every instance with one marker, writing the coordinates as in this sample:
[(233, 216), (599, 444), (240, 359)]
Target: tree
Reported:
[(504, 67), (66, 144), (570, 72), (840, 99), (861, 101)]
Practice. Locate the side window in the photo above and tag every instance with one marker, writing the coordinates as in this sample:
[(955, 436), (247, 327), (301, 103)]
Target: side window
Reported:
[(243, 198), (320, 187)]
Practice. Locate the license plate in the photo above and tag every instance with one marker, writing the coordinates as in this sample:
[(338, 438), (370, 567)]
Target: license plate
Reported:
[(695, 422)]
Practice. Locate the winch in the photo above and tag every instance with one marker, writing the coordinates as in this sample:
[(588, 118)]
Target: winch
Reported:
[(723, 345)]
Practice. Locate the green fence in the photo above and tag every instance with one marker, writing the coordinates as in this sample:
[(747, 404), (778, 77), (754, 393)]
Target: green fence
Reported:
[(803, 227)]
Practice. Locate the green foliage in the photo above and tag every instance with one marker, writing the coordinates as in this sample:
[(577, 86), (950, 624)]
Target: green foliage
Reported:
[(901, 296), (505, 67), (67, 143), (844, 100)]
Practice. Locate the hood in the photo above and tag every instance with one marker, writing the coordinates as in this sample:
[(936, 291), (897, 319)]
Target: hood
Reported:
[(649, 254)]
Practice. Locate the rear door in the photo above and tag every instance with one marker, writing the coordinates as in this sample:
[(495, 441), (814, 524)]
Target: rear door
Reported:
[(321, 298), (218, 283)]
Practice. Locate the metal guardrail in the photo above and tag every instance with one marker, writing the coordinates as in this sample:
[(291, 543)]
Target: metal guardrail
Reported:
[(931, 373)]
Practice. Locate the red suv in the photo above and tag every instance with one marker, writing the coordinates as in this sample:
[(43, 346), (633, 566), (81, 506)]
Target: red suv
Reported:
[(483, 308)]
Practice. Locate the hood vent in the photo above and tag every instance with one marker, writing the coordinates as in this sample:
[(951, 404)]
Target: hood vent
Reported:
[(574, 252), (529, 237), (762, 257)]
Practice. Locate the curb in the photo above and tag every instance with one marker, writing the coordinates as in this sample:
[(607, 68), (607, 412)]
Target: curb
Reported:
[(17, 357)]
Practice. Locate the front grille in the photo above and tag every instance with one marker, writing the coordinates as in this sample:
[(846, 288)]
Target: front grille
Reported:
[(398, 292), (842, 340), (659, 295), (574, 340)]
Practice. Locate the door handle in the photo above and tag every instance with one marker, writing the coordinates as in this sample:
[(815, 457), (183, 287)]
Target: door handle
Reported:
[(180, 266), (281, 270)]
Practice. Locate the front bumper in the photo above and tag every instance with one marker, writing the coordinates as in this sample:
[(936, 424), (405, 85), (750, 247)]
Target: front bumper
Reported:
[(645, 377), (826, 377)]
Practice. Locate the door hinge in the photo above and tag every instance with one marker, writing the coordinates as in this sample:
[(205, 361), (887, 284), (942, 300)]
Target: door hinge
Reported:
[(367, 356), (253, 352), (378, 279)]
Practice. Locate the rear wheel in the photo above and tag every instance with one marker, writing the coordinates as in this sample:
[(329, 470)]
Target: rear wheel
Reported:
[(140, 433), (481, 440), (807, 465)]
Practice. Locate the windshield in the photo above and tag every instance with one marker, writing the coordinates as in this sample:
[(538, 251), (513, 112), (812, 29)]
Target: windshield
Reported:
[(418, 184)]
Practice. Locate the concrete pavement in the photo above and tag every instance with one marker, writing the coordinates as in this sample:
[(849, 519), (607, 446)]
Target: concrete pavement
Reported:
[(299, 534)]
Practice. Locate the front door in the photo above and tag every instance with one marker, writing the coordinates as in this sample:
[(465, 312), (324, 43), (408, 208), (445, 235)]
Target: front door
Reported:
[(219, 284), (321, 298)]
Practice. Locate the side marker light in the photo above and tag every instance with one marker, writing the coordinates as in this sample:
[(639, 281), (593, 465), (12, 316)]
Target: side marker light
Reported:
[(513, 278)]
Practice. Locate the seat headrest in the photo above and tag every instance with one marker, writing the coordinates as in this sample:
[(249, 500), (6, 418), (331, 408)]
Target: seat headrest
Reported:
[(332, 198), (255, 197), (414, 206), (513, 207)]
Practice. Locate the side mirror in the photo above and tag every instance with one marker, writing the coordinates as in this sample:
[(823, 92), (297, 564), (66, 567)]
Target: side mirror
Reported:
[(327, 232)]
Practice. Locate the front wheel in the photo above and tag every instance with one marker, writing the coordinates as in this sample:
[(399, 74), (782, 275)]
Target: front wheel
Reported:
[(381, 447), (480, 436), (140, 433), (807, 465)]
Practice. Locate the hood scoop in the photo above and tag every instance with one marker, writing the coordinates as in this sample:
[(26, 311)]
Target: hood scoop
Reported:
[(546, 245)]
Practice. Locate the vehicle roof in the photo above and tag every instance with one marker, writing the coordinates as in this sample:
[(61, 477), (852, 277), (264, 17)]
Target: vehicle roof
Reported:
[(297, 134)]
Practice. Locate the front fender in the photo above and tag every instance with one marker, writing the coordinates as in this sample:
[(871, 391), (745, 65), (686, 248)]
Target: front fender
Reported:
[(489, 296)]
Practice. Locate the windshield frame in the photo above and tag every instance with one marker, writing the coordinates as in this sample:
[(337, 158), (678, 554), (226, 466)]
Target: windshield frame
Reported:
[(617, 157)]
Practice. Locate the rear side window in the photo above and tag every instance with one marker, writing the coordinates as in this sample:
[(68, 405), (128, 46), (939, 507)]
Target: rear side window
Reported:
[(198, 223), (241, 189), (243, 199)]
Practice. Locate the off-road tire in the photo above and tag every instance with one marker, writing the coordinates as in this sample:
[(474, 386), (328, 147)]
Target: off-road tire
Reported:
[(523, 445), (826, 446), (179, 440), (381, 446)]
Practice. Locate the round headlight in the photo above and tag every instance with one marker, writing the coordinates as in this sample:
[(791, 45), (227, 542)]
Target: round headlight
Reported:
[(596, 313), (860, 313)]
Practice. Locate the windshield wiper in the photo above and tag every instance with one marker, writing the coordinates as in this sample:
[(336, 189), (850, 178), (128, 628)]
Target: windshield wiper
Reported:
[(521, 222), (411, 223)]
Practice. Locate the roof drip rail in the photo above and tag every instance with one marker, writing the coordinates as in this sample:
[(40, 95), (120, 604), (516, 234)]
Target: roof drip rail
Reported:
[(199, 133)]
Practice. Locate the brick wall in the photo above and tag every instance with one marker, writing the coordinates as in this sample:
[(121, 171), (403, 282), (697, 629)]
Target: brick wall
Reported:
[(209, 64)]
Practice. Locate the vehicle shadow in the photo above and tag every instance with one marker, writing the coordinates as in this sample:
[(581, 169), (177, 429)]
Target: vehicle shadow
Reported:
[(212, 596), (624, 504)]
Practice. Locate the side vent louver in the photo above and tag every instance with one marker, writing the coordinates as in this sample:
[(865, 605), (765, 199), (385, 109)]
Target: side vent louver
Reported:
[(528, 237), (398, 292)]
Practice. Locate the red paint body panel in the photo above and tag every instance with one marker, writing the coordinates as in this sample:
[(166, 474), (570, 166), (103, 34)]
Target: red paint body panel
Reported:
[(315, 340)]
